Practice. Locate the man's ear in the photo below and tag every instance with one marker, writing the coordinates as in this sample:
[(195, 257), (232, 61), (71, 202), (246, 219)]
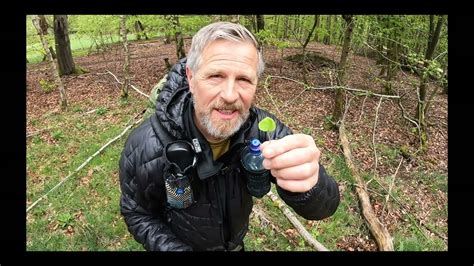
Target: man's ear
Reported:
[(189, 75)]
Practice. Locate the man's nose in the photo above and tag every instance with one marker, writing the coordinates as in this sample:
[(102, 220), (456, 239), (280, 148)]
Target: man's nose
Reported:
[(229, 92)]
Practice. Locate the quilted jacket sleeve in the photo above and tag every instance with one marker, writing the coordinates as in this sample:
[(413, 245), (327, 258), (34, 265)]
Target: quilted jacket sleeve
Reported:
[(319, 202), (147, 228)]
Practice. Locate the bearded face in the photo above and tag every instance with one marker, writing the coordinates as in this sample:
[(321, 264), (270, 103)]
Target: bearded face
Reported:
[(223, 87), (220, 120)]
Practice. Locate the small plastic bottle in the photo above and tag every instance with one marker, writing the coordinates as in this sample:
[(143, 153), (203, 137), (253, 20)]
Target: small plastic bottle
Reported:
[(258, 178)]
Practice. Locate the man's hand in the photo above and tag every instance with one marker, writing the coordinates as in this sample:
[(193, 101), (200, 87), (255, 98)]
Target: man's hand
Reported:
[(293, 161)]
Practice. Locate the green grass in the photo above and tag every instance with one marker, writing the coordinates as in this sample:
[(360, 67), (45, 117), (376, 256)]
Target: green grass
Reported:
[(345, 221), (84, 214), (80, 45), (88, 203)]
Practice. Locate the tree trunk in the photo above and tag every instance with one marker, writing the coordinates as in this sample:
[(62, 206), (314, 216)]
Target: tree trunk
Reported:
[(298, 27), (341, 72), (445, 81), (167, 64), (378, 230), (260, 23), (422, 104), (277, 26), (285, 28), (392, 64), (311, 32), (178, 37), (53, 54), (304, 48), (63, 46), (327, 36), (294, 30), (139, 29), (318, 19), (54, 71), (126, 65)]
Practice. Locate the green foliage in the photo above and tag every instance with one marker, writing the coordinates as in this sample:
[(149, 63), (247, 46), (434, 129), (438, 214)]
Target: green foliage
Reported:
[(266, 37), (329, 124), (57, 135), (389, 152), (93, 214), (307, 130), (191, 24), (64, 219), (267, 125), (101, 110), (76, 108), (47, 86)]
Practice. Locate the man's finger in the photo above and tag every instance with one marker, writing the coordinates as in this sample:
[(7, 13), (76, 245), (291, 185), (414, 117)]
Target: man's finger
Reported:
[(277, 147), (299, 172), (266, 143), (292, 158)]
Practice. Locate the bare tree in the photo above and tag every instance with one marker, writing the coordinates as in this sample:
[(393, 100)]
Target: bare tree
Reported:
[(44, 26), (260, 23), (126, 65), (318, 19), (327, 36), (423, 103), (54, 71), (341, 71), (306, 44), (178, 36), (139, 29), (63, 46)]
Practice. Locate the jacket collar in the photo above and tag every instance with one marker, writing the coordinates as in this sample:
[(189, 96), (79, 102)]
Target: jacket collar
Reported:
[(206, 166), (175, 111)]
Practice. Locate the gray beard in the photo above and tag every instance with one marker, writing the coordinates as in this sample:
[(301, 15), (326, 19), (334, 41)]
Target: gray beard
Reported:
[(222, 131), (219, 133)]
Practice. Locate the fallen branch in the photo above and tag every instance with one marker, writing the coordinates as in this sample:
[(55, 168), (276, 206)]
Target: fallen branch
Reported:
[(260, 213), (91, 111), (84, 163), (296, 223), (363, 92), (391, 186), (415, 220), (404, 115), (380, 233), (133, 87), (137, 90), (362, 108), (373, 135)]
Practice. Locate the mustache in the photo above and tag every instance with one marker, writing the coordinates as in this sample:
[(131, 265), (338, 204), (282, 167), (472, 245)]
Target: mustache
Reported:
[(221, 105)]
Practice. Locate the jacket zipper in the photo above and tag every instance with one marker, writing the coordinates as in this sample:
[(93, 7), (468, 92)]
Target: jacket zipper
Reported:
[(219, 203)]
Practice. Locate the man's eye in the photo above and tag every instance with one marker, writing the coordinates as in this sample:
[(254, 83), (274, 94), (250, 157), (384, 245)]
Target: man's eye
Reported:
[(215, 76), (245, 80)]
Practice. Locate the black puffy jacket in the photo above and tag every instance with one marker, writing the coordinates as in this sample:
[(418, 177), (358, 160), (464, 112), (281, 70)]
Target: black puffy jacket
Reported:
[(218, 220)]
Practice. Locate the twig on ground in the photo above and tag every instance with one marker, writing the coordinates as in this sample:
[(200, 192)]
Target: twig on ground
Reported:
[(297, 224), (133, 87), (373, 136), (83, 164), (390, 187)]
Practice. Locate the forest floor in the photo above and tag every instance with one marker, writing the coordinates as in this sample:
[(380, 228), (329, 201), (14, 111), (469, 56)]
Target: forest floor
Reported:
[(85, 209)]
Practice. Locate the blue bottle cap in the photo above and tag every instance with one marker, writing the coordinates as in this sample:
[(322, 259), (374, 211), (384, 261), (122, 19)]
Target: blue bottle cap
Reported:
[(254, 145)]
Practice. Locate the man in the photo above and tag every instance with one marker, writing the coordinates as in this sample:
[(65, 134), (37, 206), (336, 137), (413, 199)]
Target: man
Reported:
[(177, 198)]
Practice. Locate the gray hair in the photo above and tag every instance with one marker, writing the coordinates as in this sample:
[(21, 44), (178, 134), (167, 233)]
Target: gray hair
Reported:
[(221, 30)]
